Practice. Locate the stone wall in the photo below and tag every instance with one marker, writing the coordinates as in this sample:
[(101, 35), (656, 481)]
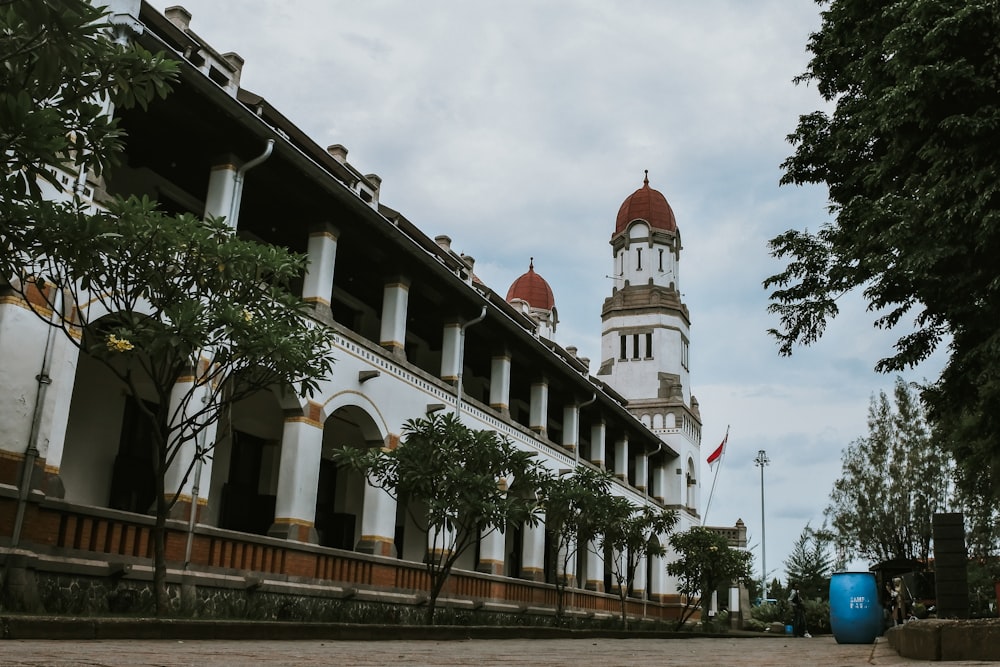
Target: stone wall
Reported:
[(79, 592)]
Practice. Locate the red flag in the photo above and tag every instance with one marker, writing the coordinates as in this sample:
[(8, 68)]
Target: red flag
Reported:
[(717, 454)]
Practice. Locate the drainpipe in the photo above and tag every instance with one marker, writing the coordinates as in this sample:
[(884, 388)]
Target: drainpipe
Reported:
[(461, 360), (195, 486), (31, 451), (659, 448), (234, 207)]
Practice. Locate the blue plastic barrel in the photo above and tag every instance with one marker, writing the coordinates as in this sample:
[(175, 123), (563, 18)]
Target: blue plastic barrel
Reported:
[(855, 612)]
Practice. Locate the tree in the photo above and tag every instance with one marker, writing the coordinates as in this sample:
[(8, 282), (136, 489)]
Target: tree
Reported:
[(161, 298), (810, 563), (891, 484), (705, 561), (153, 298), (457, 485), (910, 156), (61, 75), (575, 509), (631, 534)]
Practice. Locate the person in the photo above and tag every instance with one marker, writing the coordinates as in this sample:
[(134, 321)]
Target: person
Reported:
[(798, 611)]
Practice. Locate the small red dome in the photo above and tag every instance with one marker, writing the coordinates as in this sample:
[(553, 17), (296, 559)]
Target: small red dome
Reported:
[(532, 288), (649, 205)]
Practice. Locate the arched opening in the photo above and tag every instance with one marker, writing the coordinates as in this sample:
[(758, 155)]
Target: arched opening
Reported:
[(692, 484), (107, 458), (246, 460), (340, 496)]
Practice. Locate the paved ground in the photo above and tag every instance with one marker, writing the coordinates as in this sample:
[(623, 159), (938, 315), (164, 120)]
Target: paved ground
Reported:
[(774, 652)]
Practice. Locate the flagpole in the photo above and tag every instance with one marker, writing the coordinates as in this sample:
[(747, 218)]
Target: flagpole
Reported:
[(711, 494)]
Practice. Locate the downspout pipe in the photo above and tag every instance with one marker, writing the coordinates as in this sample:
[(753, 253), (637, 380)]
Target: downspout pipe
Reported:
[(31, 451), (234, 206), (659, 448), (461, 360), (576, 450)]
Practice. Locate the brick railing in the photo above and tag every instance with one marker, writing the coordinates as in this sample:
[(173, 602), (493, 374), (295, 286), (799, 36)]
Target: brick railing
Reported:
[(61, 529)]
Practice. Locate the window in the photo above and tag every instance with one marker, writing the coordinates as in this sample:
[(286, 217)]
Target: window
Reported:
[(649, 346), (635, 346), (684, 353), (661, 260), (638, 259), (622, 354)]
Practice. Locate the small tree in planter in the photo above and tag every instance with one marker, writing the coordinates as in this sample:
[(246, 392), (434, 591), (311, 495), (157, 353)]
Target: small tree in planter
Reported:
[(705, 562), (459, 477), (576, 507), (629, 534)]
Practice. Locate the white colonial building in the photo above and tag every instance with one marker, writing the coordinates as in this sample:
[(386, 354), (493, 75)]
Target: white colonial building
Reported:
[(273, 506)]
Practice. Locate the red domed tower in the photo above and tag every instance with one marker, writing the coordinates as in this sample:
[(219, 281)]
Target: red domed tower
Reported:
[(532, 294), (645, 335), (649, 205)]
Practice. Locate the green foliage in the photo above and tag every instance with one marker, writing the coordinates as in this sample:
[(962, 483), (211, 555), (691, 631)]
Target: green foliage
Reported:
[(982, 581), (891, 484), (982, 512), (704, 561), (160, 296), (631, 534), (909, 155), (773, 612), (817, 616), (457, 484), (576, 509), (810, 563), (61, 72)]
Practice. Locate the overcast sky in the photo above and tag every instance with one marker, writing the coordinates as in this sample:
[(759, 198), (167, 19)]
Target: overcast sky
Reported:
[(518, 128)]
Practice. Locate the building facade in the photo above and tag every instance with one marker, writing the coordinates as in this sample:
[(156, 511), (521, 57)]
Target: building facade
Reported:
[(416, 332)]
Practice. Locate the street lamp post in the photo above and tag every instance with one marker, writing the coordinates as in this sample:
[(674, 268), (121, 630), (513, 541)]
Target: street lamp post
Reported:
[(760, 462)]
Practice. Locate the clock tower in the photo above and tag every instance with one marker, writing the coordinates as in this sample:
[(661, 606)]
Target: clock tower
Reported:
[(645, 336)]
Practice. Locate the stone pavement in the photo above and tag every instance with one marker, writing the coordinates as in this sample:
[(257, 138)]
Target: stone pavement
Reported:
[(592, 652)]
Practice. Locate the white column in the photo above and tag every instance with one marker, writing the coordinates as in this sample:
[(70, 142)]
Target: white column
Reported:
[(639, 580), (595, 568), (317, 284), (451, 351), (621, 458), (641, 473), (533, 558), (221, 189), (58, 399), (617, 568), (395, 296), (183, 464), (538, 417), (567, 567), (378, 522), (571, 427), (660, 482), (491, 553), (500, 383), (298, 479), (23, 339), (598, 438), (22, 348)]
